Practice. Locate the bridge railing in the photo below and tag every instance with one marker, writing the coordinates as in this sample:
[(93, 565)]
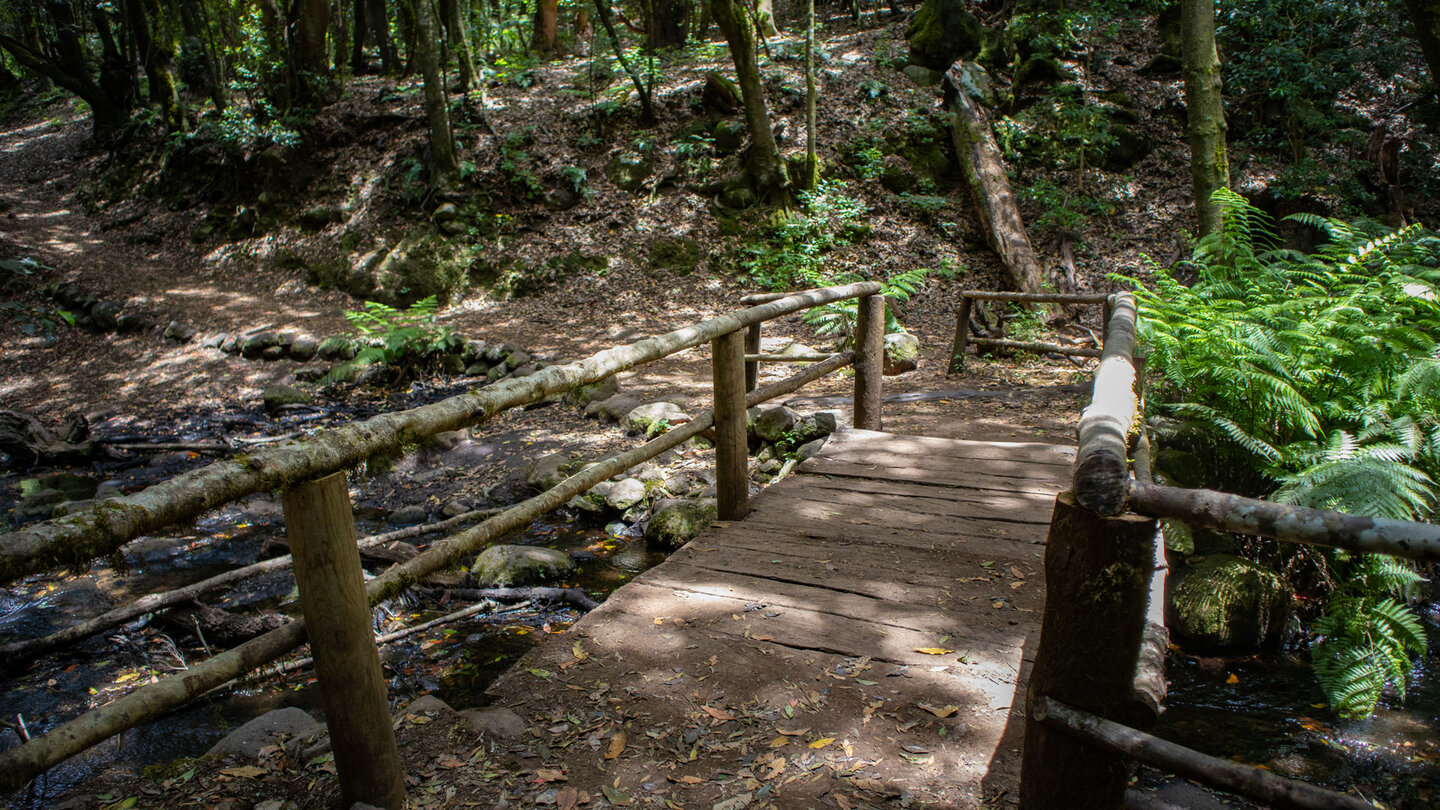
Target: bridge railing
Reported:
[(335, 599), (963, 338), (1098, 669)]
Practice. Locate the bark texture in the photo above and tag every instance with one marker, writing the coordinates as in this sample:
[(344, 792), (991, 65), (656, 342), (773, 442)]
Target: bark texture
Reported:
[(444, 166), (1205, 127), (1101, 464), (767, 169)]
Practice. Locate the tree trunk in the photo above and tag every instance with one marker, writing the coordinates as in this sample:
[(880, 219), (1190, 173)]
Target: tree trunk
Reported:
[(985, 170), (607, 21), (309, 58), (458, 35), (155, 40), (274, 77), (812, 161), (1425, 16), (765, 18), (444, 168), (1209, 168), (767, 169), (547, 27), (377, 19), (669, 23), (359, 65)]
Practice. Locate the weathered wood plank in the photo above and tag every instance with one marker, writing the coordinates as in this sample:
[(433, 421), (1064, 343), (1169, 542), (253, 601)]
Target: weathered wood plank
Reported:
[(824, 466), (924, 500), (1034, 452)]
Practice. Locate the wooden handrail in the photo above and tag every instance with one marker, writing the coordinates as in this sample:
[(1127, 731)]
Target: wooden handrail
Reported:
[(1245, 780), (1296, 524), (20, 764), (967, 305), (1106, 425), (76, 539)]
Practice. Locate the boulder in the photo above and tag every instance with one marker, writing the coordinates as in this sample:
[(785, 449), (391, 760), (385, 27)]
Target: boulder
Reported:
[(720, 94), (944, 31), (255, 345), (246, 741), (729, 137), (614, 409), (39, 504), (775, 424), (625, 493), (902, 353), (547, 471), (494, 722), (106, 316), (504, 566), (628, 170), (923, 76), (677, 522), (304, 347), (1225, 602), (409, 515), (278, 396), (428, 704), (809, 449), (898, 175), (595, 392), (655, 418)]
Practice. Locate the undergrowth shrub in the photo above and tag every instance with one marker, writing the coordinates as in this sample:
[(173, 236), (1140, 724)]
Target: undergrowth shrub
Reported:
[(402, 340), (1313, 379)]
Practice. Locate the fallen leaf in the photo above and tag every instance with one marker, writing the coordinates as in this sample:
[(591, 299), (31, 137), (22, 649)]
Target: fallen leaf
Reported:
[(1017, 585), (822, 742), (736, 803), (933, 650), (659, 620), (243, 772), (794, 732), (779, 741), (619, 798), (617, 744), (567, 798), (718, 714), (579, 652), (1233, 679), (542, 674), (939, 711), (449, 761), (549, 775), (775, 768), (1017, 573)]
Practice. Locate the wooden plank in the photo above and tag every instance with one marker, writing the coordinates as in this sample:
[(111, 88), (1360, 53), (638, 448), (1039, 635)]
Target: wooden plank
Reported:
[(819, 465), (1034, 452), (844, 498), (960, 470), (919, 492), (987, 546)]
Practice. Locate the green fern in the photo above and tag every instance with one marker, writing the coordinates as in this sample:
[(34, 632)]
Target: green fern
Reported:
[(400, 339), (838, 319), (1364, 648)]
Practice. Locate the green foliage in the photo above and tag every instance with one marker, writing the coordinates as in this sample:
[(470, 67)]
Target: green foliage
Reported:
[(874, 89), (838, 319), (515, 164), (34, 320), (1063, 130), (795, 252), (1062, 210), (869, 162), (399, 339), (250, 127), (1316, 373)]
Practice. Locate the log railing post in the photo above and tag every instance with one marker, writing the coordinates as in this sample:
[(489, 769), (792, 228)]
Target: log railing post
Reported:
[(869, 360), (321, 529), (732, 478), (962, 335), (752, 367), (1097, 575)]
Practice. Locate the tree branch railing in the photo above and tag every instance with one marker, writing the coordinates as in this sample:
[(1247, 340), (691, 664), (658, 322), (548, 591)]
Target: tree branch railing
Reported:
[(335, 598), (1099, 664), (963, 338)]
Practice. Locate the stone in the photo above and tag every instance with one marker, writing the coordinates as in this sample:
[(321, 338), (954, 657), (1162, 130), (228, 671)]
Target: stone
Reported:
[(678, 254), (626, 493), (477, 369), (676, 522), (738, 197), (132, 322), (809, 449), (452, 364), (720, 94), (944, 31), (409, 515), (614, 409), (446, 212), (336, 347), (902, 353), (39, 504), (729, 137), (812, 426), (277, 396), (177, 332), (628, 170), (246, 741), (317, 217), (1125, 149), (279, 804), (518, 358), (255, 345), (106, 315), (774, 424), (898, 175), (975, 82), (1225, 602), (473, 350), (595, 392), (494, 722), (654, 418), (504, 566), (304, 347), (274, 353), (923, 76), (547, 471), (428, 704), (456, 507)]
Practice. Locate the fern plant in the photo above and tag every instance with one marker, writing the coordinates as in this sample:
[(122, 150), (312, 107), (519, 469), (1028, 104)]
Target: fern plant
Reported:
[(838, 319), (399, 339), (1313, 379)]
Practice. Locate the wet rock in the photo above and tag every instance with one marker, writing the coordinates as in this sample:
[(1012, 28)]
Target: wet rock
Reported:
[(408, 515), (39, 504), (1224, 602), (614, 409), (503, 566), (245, 742), (494, 722), (594, 500), (677, 522), (626, 493), (547, 471), (655, 418), (277, 396), (902, 353), (595, 392)]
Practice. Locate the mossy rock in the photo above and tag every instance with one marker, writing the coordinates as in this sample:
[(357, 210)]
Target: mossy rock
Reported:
[(902, 353), (944, 31), (547, 471), (524, 281), (729, 137), (655, 418), (595, 392), (898, 175), (629, 170), (677, 522), (1224, 602), (678, 254), (278, 396), (506, 566)]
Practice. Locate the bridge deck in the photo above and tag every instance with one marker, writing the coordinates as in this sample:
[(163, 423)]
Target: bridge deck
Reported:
[(885, 599)]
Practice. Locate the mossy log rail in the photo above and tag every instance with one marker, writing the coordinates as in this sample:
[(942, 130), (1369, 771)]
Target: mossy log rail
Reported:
[(75, 540), (21, 764), (1296, 524), (1111, 418)]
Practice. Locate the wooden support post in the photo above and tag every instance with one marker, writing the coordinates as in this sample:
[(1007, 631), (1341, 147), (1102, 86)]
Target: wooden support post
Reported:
[(732, 476), (321, 530), (869, 360), (752, 367), (1097, 574), (962, 336)]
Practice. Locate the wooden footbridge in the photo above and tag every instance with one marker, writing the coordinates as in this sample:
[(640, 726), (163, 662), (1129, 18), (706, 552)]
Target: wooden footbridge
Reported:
[(874, 629)]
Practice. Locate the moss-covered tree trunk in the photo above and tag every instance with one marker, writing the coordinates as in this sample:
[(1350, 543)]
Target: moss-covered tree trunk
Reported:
[(812, 161), (1209, 168), (309, 56), (154, 38), (669, 23), (458, 35), (767, 169), (444, 168), (547, 27), (1425, 16), (607, 20), (61, 61)]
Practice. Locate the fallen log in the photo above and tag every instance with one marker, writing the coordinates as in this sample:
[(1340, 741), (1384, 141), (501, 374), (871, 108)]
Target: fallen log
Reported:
[(221, 626), (985, 173), (570, 596)]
